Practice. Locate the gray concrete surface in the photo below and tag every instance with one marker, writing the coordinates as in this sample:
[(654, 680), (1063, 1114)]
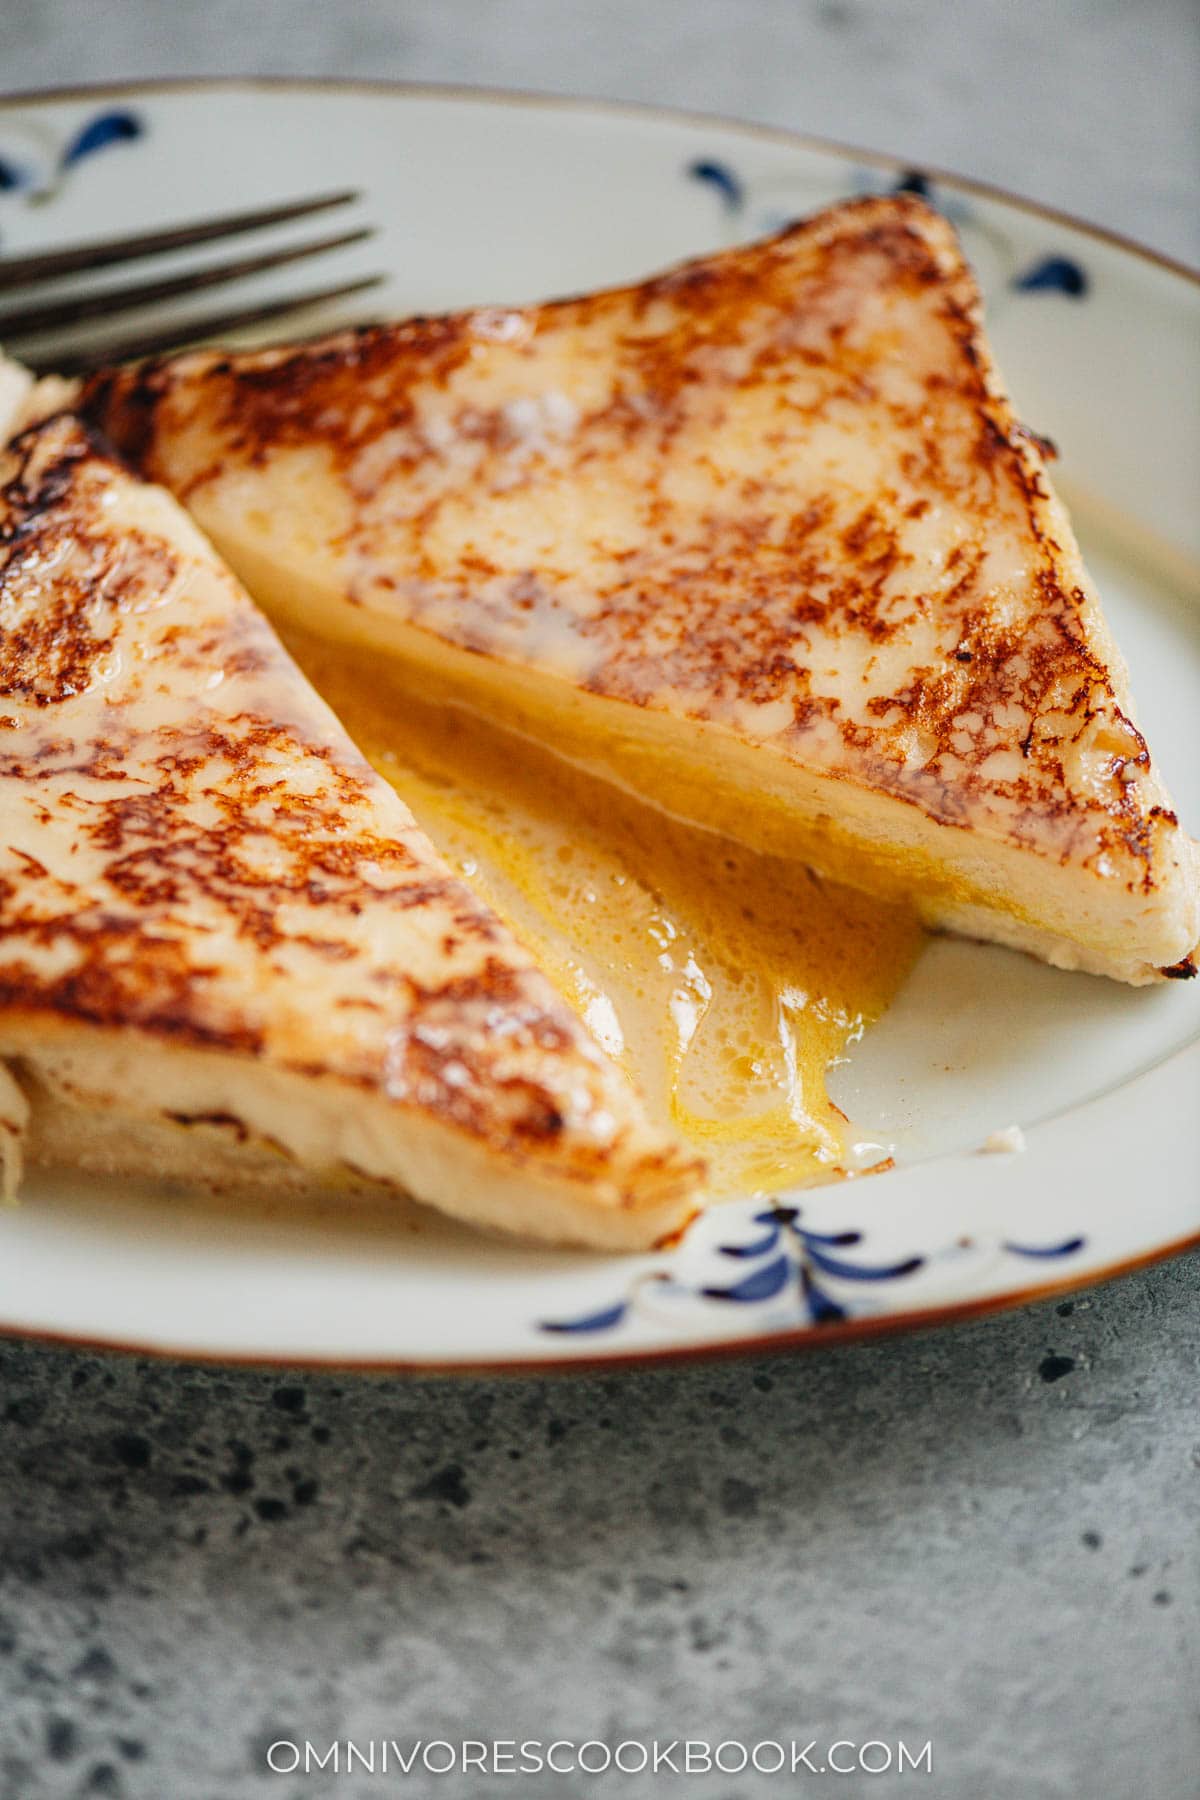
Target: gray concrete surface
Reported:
[(987, 1538)]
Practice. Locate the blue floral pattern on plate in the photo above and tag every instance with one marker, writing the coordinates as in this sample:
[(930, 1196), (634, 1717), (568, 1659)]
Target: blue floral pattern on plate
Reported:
[(758, 211), (39, 174), (1054, 275), (786, 1259)]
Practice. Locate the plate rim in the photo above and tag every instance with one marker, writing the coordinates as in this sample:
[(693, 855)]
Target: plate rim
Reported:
[(805, 1337), (541, 98), (761, 1344)]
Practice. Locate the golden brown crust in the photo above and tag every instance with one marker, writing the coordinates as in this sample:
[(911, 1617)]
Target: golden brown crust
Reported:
[(193, 851)]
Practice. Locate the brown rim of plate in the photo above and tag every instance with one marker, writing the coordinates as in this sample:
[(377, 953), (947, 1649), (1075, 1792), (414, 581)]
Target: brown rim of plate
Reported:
[(634, 109), (809, 1337)]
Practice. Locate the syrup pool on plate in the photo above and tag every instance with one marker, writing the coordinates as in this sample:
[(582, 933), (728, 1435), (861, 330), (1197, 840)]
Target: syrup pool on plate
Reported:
[(727, 983)]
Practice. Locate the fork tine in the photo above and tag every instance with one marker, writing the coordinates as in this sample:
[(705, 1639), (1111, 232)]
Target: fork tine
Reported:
[(193, 331), (17, 271), (40, 318)]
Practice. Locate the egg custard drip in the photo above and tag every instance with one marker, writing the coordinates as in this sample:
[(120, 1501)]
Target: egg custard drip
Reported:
[(726, 982)]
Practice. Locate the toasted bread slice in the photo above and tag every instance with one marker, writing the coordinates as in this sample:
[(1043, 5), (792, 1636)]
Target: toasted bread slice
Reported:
[(227, 953), (761, 537)]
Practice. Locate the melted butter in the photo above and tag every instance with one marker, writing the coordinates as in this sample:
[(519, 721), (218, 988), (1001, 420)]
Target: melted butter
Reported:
[(726, 982)]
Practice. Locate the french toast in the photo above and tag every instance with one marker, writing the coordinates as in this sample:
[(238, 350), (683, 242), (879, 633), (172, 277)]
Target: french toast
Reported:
[(761, 538), (227, 953)]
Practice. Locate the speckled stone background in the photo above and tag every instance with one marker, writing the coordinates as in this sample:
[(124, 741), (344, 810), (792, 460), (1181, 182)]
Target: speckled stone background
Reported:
[(988, 1538)]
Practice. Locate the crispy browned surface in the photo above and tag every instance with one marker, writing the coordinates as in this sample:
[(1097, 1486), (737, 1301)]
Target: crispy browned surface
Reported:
[(192, 849), (730, 569)]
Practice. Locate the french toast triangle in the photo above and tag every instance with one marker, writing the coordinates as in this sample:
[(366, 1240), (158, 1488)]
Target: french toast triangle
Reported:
[(760, 538), (227, 954)]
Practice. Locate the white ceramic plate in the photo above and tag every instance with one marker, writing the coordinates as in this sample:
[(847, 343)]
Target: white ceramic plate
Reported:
[(494, 198)]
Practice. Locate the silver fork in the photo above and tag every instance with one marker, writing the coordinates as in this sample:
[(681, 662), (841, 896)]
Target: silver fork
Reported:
[(34, 317)]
